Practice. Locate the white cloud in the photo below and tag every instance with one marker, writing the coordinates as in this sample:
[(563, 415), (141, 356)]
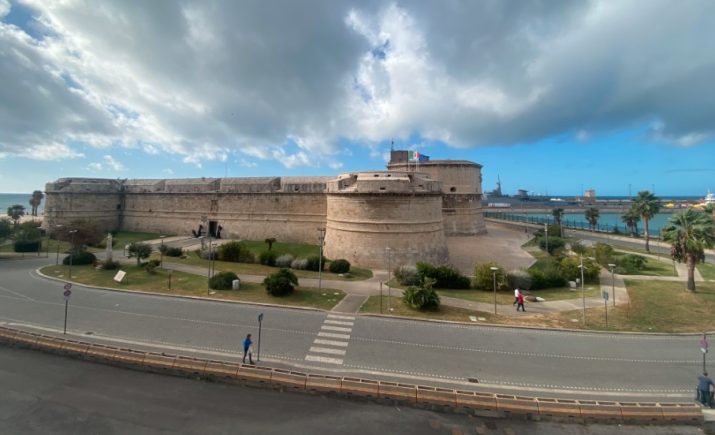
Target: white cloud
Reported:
[(95, 167), (168, 171), (114, 164), (204, 81)]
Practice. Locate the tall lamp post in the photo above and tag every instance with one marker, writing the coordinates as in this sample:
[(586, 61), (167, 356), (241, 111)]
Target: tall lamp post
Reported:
[(388, 253), (321, 239), (494, 276), (613, 282), (73, 232), (546, 234), (57, 228), (583, 290), (161, 252)]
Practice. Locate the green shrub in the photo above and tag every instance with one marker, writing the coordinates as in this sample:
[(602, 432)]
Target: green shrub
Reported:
[(578, 248), (339, 266), (570, 269), (550, 277), (27, 246), (281, 283), (484, 278), (139, 251), (267, 258), (284, 260), (555, 244), (631, 264), (299, 264), (222, 281), (79, 258), (236, 252), (519, 278), (444, 276), (422, 297), (314, 263), (603, 253), (407, 275), (173, 252), (109, 265)]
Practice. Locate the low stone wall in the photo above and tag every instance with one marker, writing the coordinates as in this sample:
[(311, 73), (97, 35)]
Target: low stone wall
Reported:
[(445, 399)]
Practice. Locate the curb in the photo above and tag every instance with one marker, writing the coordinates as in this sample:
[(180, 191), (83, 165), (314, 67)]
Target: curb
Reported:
[(434, 398)]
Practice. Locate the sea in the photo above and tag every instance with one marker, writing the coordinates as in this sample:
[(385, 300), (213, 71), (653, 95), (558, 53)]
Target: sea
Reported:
[(10, 199)]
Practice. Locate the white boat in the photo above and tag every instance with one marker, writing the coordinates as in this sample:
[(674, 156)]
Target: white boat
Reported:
[(710, 198)]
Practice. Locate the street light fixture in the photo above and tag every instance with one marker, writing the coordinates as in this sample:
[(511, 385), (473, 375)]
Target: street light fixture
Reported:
[(73, 232), (57, 227), (161, 252), (494, 276), (583, 289), (388, 253), (613, 283), (321, 239), (546, 234)]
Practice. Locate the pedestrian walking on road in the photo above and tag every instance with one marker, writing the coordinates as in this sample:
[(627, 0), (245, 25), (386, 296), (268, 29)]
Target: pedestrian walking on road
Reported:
[(516, 295), (248, 349), (704, 384), (520, 302)]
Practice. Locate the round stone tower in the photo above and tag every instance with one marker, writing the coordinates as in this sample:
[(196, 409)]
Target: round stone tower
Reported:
[(461, 187), (383, 219)]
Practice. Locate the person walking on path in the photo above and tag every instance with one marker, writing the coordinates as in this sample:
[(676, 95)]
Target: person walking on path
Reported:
[(704, 384), (247, 349), (516, 295), (520, 302)]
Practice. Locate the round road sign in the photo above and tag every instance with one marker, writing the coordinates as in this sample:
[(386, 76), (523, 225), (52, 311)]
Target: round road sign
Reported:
[(67, 293), (68, 286)]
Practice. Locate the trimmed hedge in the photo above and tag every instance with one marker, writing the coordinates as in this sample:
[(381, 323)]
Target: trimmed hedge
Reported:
[(339, 266), (281, 283), (80, 258), (236, 252), (444, 276), (173, 252), (25, 246), (267, 258), (222, 281), (314, 263)]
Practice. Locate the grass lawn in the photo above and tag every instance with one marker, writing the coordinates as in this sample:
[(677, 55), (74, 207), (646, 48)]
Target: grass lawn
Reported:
[(8, 246), (193, 285), (707, 270), (549, 294), (298, 250), (653, 267), (656, 306), (356, 273)]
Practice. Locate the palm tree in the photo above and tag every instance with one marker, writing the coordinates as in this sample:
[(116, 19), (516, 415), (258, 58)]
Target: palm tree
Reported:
[(558, 214), (16, 212), (689, 233), (591, 215), (647, 206), (35, 201), (631, 219)]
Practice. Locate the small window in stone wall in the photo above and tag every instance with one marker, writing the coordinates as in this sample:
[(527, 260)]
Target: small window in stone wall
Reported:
[(452, 189), (382, 188)]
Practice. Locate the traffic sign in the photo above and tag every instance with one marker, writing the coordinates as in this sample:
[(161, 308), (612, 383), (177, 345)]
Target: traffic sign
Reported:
[(260, 317), (68, 286), (604, 295), (704, 345), (67, 293)]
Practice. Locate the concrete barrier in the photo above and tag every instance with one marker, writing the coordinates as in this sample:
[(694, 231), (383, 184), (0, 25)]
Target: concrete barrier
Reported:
[(477, 402), (436, 396), (324, 384), (360, 387), (287, 378), (397, 391), (559, 408)]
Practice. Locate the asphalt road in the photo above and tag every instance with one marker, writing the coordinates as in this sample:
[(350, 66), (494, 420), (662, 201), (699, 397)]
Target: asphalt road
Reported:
[(575, 364), (44, 394)]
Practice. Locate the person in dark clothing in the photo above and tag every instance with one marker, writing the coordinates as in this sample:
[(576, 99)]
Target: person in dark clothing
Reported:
[(704, 384), (520, 300), (247, 350)]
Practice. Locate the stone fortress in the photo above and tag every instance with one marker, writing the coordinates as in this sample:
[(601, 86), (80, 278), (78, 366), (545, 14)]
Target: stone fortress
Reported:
[(410, 208)]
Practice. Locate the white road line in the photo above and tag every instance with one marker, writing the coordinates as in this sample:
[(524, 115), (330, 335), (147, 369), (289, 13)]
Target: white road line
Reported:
[(338, 322), (331, 335), (331, 342), (335, 316), (314, 349), (336, 328), (324, 359)]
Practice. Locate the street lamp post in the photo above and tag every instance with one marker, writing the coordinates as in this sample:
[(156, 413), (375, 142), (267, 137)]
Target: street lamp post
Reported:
[(613, 283), (321, 239), (546, 234), (494, 276), (388, 252), (73, 232), (57, 227), (583, 290), (161, 252)]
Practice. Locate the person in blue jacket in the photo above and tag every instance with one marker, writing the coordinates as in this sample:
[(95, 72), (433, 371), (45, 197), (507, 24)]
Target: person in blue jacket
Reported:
[(247, 350), (704, 384)]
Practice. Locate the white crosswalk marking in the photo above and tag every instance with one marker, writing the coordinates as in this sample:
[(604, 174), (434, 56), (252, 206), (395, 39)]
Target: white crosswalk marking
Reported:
[(324, 359), (332, 335), (336, 316), (338, 322), (331, 342), (336, 328), (315, 349), (340, 328)]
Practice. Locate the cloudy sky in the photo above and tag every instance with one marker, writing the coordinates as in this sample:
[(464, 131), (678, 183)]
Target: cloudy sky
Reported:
[(549, 95)]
